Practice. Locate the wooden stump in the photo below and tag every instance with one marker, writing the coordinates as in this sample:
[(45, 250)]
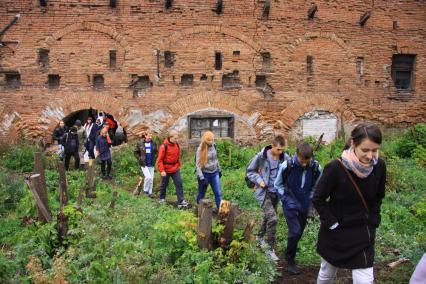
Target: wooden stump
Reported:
[(62, 226), (80, 199), (63, 188), (204, 227), (37, 191), (228, 232), (248, 230)]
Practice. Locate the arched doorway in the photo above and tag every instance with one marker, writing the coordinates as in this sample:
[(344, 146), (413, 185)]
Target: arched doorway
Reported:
[(315, 123), (120, 135)]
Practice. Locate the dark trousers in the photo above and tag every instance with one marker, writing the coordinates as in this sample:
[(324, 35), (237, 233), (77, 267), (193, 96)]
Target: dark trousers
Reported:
[(76, 156), (270, 218), (296, 222), (91, 150), (109, 165), (177, 180)]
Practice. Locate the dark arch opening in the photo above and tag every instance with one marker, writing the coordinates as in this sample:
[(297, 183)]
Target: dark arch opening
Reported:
[(120, 135)]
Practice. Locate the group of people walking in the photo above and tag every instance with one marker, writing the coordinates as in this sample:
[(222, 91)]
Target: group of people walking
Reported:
[(347, 194)]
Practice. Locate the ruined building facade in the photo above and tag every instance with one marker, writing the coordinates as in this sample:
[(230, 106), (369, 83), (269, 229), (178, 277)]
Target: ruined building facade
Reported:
[(246, 69)]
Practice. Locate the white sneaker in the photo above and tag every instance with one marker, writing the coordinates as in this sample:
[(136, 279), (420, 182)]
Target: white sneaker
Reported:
[(162, 200), (261, 242), (183, 203), (271, 255)]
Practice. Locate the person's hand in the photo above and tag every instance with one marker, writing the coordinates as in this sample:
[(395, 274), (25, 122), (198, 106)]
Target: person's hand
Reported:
[(163, 174), (262, 184), (204, 182), (220, 174)]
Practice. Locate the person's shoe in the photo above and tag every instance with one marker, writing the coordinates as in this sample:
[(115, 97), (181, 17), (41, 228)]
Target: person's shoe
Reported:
[(271, 255), (183, 203), (162, 200), (109, 176), (103, 177), (293, 269), (261, 242)]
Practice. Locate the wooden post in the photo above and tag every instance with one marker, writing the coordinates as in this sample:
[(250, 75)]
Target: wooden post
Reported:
[(228, 232), (248, 230), (42, 208), (63, 191), (114, 198), (80, 198), (62, 226), (137, 189), (39, 169), (90, 190), (204, 227)]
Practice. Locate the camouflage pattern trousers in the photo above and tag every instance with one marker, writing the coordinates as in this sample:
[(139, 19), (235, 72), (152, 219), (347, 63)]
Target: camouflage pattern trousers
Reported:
[(268, 228)]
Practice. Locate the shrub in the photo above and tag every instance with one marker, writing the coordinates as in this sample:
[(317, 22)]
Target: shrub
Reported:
[(11, 191), (20, 157), (407, 143)]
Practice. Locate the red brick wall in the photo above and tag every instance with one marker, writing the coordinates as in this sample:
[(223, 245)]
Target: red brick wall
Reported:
[(80, 33)]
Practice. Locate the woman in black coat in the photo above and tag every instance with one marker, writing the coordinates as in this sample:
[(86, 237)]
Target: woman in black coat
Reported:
[(348, 199)]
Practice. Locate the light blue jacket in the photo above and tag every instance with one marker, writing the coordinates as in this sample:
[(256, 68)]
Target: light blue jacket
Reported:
[(259, 170)]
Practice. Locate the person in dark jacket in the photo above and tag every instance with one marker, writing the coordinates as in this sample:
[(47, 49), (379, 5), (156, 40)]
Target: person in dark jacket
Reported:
[(146, 152), (168, 163), (59, 132), (348, 199), (91, 139), (262, 171), (103, 145), (70, 141), (295, 184)]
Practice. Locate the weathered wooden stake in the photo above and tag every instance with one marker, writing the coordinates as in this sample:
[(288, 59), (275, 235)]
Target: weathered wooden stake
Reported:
[(90, 190), (228, 232), (63, 189), (80, 198), (114, 198), (204, 227), (248, 230), (62, 226), (39, 169), (42, 208), (137, 190)]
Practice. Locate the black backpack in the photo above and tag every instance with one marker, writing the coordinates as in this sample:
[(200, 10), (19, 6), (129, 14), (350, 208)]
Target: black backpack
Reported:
[(290, 165)]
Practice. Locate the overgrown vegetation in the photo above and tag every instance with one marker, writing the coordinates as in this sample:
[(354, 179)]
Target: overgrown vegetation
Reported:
[(144, 242)]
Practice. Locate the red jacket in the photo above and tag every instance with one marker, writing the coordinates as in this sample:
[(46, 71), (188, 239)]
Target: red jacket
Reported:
[(168, 161)]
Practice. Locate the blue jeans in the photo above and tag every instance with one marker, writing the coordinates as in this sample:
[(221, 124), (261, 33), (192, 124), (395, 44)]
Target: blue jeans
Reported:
[(214, 180)]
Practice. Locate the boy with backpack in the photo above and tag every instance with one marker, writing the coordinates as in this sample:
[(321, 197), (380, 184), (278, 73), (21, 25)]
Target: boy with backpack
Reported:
[(262, 172), (146, 152), (168, 163), (70, 142), (295, 183)]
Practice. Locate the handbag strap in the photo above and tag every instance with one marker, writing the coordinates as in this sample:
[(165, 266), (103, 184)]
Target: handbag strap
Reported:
[(355, 185)]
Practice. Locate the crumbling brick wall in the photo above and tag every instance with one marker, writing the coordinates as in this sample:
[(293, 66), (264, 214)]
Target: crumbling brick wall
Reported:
[(277, 65)]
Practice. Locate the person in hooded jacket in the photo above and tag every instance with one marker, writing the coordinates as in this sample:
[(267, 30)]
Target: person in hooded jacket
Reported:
[(295, 184), (262, 171), (103, 149), (348, 199), (168, 163)]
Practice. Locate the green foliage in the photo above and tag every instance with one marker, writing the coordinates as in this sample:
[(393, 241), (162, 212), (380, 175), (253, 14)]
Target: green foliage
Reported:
[(407, 143), (20, 157), (11, 191)]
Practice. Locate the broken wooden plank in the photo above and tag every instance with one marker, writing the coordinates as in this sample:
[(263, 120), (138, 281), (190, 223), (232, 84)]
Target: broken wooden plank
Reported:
[(90, 189), (39, 169), (398, 262), (248, 230), (137, 189), (43, 211), (204, 226), (228, 232)]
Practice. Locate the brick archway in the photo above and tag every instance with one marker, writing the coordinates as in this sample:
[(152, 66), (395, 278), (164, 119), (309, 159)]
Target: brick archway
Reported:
[(322, 35), (57, 110), (318, 102), (93, 26), (168, 43)]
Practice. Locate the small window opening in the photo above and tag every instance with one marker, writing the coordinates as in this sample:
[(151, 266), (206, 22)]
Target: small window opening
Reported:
[(13, 80), (235, 55), (402, 71), (112, 58), (309, 65), (218, 60), (266, 61), (43, 57), (98, 81), (187, 80), (113, 3), (53, 81), (43, 3), (219, 7), (203, 77), (169, 58), (231, 80), (140, 84), (168, 4)]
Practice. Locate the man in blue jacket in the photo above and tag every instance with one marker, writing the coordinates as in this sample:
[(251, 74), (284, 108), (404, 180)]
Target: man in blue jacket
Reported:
[(295, 184), (262, 171)]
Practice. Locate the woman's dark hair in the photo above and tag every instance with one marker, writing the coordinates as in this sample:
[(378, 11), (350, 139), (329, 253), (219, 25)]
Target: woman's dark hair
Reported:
[(363, 131)]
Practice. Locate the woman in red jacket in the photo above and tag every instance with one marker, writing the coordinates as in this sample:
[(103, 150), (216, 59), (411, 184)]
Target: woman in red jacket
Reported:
[(168, 163)]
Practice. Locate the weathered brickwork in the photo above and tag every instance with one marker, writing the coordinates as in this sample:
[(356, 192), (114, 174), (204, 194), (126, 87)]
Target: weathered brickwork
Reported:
[(273, 69)]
